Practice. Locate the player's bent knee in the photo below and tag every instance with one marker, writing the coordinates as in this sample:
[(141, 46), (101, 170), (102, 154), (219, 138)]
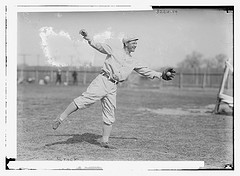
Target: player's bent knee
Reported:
[(108, 121), (74, 105), (108, 124), (83, 102)]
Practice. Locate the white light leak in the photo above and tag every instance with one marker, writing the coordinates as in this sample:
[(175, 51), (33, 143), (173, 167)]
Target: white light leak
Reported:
[(102, 37), (120, 36), (61, 50), (112, 38), (52, 45)]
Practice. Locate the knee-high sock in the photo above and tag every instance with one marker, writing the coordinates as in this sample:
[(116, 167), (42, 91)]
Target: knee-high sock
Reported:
[(69, 110), (106, 132)]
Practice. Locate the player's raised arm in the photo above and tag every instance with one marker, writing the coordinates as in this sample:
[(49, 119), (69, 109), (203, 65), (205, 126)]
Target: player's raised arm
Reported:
[(101, 47)]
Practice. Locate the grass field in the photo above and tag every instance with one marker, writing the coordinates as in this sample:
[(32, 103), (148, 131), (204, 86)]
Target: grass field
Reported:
[(151, 125)]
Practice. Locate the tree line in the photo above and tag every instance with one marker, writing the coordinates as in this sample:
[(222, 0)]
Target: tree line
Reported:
[(195, 61)]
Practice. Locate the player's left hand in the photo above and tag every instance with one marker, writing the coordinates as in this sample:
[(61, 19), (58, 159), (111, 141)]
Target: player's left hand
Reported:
[(168, 74)]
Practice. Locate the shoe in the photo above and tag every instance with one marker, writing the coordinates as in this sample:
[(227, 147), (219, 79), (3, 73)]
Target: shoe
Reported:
[(56, 123), (106, 145)]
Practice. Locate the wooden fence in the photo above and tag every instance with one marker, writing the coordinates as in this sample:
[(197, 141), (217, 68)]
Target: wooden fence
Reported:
[(84, 77)]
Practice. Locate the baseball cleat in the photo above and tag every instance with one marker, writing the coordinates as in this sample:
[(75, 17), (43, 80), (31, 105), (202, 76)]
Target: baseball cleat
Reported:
[(56, 123), (106, 145)]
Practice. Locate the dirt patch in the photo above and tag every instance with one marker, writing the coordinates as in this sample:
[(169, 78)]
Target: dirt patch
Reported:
[(204, 110)]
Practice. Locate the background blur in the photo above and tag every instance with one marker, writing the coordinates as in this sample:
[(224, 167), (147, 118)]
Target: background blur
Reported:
[(196, 42)]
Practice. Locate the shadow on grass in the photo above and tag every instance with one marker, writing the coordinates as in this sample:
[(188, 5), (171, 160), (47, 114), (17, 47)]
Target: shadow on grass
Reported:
[(86, 137), (78, 138)]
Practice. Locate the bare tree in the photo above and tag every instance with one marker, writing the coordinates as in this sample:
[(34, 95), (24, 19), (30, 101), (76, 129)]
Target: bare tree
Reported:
[(220, 58), (193, 61)]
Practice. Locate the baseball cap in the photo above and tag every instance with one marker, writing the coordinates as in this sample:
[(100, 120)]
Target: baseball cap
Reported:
[(127, 39)]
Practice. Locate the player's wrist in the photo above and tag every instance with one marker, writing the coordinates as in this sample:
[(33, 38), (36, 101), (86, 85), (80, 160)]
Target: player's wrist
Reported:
[(90, 41), (160, 75), (88, 38)]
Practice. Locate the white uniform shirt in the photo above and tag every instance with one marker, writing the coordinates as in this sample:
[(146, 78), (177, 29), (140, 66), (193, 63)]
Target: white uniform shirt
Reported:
[(120, 65)]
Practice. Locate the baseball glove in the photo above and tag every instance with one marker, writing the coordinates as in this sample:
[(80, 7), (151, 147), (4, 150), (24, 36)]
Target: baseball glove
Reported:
[(168, 74)]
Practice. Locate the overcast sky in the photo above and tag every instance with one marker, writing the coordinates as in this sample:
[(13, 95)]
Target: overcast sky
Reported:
[(164, 38)]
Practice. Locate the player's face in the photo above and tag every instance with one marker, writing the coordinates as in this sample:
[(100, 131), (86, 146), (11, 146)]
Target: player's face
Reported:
[(131, 46)]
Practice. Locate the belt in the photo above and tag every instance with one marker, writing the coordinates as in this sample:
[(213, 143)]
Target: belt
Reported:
[(107, 75)]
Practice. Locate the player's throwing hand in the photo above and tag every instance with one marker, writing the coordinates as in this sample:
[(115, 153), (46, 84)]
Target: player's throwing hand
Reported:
[(83, 32), (85, 35)]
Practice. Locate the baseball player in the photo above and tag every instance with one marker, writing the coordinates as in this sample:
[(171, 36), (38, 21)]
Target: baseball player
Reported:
[(117, 67)]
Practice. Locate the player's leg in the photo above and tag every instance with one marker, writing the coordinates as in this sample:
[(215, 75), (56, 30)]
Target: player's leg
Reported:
[(107, 128), (72, 107), (108, 112), (94, 92), (69, 110)]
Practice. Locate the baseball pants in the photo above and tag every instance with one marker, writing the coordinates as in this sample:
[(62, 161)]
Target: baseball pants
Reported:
[(100, 89)]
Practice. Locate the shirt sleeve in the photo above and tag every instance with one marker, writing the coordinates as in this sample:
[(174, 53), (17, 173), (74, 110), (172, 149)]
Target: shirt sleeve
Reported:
[(146, 71), (101, 47)]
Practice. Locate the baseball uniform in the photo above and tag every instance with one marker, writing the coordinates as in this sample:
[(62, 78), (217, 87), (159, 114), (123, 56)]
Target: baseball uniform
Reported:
[(117, 67)]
